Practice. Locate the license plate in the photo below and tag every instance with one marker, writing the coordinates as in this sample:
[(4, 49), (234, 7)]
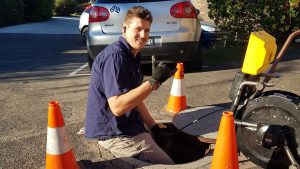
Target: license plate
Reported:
[(150, 42)]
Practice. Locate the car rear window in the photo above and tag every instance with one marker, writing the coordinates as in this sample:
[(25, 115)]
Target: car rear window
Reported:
[(128, 1)]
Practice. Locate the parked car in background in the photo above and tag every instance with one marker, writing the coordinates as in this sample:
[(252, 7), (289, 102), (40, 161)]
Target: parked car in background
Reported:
[(209, 34), (84, 21), (174, 35)]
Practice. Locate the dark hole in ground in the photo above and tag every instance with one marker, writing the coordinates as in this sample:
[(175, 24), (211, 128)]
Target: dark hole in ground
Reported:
[(181, 147)]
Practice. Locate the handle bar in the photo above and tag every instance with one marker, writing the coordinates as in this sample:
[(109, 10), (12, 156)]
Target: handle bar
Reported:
[(280, 54)]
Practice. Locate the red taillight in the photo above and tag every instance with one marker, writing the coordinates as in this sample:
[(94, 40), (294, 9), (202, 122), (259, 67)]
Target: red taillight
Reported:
[(98, 14), (183, 10)]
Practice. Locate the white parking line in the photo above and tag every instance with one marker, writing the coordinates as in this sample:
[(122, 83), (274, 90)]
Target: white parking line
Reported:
[(78, 70), (70, 18), (75, 52)]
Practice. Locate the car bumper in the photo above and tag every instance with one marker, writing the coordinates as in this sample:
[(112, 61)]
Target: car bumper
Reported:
[(168, 52)]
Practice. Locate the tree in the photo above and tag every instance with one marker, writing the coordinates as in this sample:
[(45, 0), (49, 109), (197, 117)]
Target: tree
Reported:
[(64, 7), (11, 12), (277, 17), (38, 10)]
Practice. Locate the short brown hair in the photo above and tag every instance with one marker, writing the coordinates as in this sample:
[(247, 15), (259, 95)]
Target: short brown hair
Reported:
[(139, 12)]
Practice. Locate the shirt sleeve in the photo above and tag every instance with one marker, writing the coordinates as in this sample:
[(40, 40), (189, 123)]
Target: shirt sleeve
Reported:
[(116, 74)]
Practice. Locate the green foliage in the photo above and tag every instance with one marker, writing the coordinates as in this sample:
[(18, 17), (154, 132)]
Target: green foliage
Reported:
[(11, 12), (64, 7), (295, 14), (294, 3), (38, 10), (277, 17)]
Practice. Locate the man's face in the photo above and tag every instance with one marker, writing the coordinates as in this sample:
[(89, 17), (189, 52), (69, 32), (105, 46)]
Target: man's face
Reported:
[(136, 33)]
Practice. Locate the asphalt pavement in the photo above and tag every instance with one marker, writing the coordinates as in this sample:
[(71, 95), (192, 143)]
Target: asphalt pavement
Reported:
[(26, 87)]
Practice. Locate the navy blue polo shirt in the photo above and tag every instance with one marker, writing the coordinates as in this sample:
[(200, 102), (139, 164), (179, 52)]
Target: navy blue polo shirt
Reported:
[(115, 71)]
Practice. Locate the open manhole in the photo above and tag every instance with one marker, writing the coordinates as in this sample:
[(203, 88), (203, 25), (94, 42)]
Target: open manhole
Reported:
[(181, 147)]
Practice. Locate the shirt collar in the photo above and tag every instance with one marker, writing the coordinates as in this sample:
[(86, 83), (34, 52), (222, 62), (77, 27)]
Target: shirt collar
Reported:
[(125, 43), (127, 46)]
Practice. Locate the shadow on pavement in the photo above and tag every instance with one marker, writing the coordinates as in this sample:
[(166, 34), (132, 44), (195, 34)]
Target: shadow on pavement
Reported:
[(40, 55)]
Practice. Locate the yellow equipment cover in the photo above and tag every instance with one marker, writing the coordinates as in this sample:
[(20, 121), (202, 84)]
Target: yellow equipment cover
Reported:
[(260, 53)]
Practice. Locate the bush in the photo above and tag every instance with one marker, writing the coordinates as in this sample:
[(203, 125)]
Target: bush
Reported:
[(11, 12), (64, 7), (295, 14), (277, 17), (38, 10)]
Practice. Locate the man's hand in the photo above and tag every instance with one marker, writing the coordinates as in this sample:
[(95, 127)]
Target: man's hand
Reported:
[(157, 127), (161, 133), (160, 71)]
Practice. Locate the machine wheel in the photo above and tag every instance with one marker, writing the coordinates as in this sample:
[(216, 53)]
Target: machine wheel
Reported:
[(273, 107)]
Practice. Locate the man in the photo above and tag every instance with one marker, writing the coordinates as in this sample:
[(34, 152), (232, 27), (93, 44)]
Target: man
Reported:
[(116, 113)]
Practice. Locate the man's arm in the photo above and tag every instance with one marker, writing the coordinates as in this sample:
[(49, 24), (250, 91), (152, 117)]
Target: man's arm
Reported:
[(127, 101), (142, 109)]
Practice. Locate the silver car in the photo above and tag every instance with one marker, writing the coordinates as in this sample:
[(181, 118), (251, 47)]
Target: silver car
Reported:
[(84, 21), (174, 36)]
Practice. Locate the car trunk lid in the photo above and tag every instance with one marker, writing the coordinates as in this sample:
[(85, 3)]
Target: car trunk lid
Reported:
[(162, 20)]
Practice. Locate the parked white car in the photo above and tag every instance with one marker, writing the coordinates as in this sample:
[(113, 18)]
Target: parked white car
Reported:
[(84, 21)]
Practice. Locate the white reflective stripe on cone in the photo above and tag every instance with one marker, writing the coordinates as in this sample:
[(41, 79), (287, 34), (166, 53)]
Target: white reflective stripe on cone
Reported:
[(57, 141), (178, 88)]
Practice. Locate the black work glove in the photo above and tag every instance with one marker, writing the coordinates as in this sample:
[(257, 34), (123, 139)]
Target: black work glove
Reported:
[(160, 71)]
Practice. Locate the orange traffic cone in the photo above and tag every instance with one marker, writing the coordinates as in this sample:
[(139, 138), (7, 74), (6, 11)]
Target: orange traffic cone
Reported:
[(177, 99), (225, 153), (59, 152)]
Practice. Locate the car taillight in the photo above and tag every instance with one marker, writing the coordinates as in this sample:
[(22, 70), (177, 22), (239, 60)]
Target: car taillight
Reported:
[(183, 10), (98, 14)]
